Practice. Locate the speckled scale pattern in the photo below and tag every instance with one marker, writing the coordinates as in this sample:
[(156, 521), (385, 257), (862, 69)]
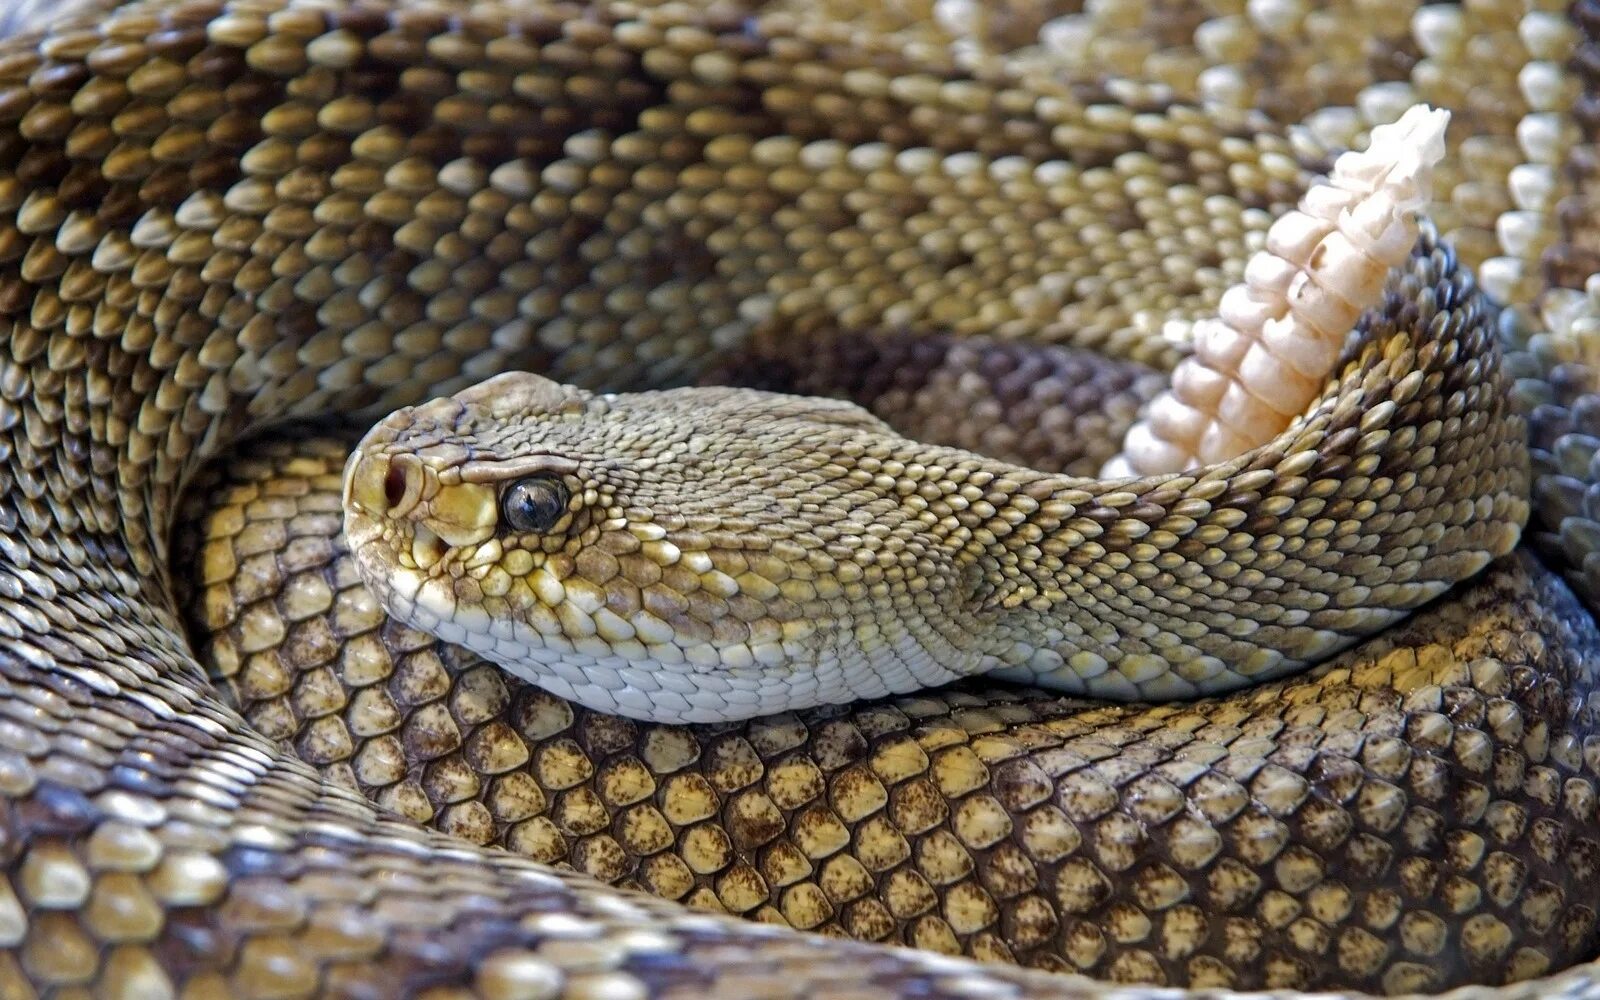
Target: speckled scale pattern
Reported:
[(1556, 391), (1574, 258), (1047, 407), (214, 216), (1351, 830), (1557, 364)]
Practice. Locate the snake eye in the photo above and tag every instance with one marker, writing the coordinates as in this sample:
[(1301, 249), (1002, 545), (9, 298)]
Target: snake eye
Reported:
[(534, 504)]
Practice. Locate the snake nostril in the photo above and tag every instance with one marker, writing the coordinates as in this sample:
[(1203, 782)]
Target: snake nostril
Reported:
[(384, 485), (394, 486)]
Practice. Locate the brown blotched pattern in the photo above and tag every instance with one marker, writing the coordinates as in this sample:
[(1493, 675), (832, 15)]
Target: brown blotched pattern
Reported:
[(217, 215)]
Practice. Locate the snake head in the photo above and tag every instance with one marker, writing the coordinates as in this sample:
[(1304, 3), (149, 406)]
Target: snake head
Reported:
[(684, 555), (425, 472)]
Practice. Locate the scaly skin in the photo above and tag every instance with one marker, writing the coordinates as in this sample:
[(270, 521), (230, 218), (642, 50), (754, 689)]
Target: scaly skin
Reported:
[(719, 554), (212, 220), (1007, 825)]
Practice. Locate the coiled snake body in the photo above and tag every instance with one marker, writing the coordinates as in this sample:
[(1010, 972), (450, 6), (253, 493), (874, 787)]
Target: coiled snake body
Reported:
[(215, 217)]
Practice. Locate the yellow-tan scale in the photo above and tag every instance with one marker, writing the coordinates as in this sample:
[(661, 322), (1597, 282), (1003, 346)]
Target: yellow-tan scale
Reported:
[(211, 219)]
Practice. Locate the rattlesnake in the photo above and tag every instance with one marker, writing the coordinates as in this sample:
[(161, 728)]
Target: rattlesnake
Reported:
[(218, 218)]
